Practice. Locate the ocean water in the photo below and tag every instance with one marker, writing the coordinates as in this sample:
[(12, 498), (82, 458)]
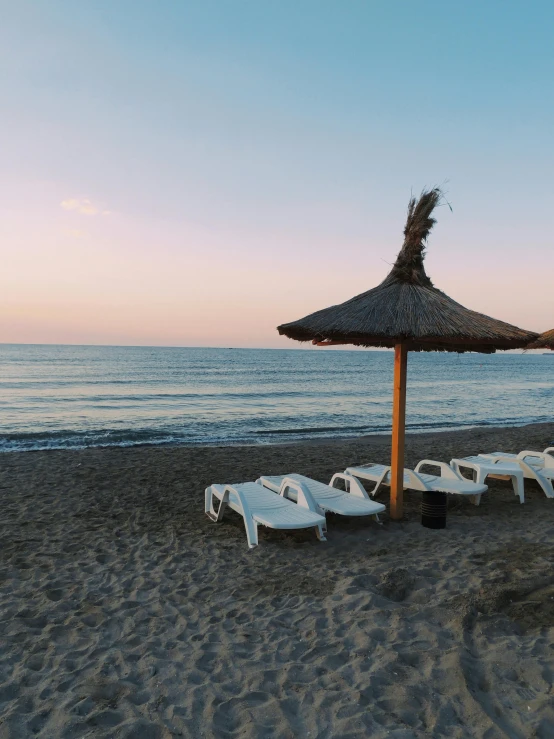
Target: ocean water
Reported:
[(55, 397)]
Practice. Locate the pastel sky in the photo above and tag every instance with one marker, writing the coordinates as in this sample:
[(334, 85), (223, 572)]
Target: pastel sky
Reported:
[(197, 172)]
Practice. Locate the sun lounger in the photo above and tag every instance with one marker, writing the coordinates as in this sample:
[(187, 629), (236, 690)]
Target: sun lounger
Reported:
[(535, 459), (354, 502), (449, 481), (529, 462), (483, 467), (257, 505)]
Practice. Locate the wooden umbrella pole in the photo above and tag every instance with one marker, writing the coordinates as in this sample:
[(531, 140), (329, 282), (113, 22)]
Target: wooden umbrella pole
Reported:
[(398, 431)]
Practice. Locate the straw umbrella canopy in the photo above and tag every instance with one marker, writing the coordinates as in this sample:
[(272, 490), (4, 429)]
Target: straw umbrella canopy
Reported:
[(408, 313), (545, 341)]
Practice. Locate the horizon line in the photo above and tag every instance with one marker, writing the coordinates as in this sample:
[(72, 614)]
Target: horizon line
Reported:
[(252, 348)]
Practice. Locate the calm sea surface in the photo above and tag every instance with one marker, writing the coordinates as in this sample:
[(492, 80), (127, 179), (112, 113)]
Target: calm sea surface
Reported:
[(55, 397)]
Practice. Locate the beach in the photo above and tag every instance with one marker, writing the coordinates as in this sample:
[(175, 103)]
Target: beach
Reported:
[(125, 612)]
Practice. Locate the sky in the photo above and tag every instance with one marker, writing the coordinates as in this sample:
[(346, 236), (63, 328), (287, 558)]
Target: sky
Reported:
[(195, 173)]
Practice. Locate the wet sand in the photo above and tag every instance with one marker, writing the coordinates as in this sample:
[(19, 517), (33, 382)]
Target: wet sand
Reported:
[(124, 612)]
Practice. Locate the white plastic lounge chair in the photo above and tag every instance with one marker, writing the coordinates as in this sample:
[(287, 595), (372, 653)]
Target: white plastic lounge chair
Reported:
[(449, 481), (260, 506), (354, 502), (483, 467), (535, 459), (544, 474)]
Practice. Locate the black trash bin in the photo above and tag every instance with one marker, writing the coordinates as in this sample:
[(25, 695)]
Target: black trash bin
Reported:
[(433, 510)]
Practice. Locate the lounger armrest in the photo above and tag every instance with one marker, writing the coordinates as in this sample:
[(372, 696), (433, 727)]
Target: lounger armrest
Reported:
[(228, 489), (446, 470), (353, 486), (546, 458), (461, 460), (305, 498), (530, 453)]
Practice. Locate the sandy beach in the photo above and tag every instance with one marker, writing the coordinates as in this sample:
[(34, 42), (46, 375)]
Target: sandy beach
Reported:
[(124, 612)]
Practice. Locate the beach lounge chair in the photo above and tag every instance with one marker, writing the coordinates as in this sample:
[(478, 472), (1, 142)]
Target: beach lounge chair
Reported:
[(535, 459), (257, 505), (537, 466), (483, 467), (449, 481), (354, 502)]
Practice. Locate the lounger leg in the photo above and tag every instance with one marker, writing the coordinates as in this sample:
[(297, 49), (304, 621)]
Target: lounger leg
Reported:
[(378, 484), (251, 532), (320, 532), (209, 506), (375, 490), (531, 473), (479, 476), (518, 484)]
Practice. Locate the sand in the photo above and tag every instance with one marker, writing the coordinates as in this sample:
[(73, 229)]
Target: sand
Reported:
[(124, 612)]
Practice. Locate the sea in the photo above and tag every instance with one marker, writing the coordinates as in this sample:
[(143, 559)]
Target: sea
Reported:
[(71, 397)]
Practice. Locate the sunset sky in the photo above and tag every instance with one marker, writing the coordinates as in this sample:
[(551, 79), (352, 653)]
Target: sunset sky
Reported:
[(197, 172)]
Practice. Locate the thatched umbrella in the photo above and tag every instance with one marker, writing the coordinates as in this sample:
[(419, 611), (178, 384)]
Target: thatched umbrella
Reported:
[(545, 341), (408, 313)]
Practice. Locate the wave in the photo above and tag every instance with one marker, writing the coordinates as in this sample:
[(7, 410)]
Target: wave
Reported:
[(413, 426), (188, 396), (129, 437), (69, 439), (315, 430)]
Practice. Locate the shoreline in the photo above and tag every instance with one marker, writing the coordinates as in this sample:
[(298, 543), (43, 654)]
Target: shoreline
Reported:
[(430, 433)]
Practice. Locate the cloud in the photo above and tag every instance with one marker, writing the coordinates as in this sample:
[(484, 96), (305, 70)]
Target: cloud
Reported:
[(83, 206)]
